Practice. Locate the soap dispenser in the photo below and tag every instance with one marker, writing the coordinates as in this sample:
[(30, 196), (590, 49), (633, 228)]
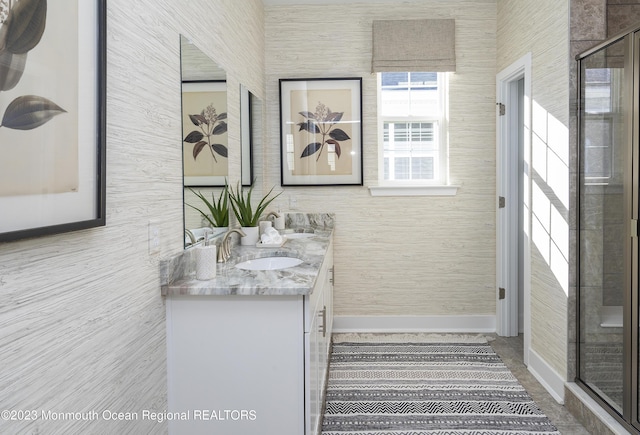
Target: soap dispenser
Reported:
[(206, 261), (278, 221)]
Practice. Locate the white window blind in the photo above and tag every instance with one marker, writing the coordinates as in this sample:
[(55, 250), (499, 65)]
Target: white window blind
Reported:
[(414, 45)]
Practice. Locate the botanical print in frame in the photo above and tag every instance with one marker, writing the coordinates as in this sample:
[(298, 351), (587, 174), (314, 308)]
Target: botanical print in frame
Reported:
[(52, 104), (321, 131), (204, 128)]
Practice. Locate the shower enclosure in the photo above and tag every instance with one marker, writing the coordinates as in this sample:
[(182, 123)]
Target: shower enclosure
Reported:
[(607, 311)]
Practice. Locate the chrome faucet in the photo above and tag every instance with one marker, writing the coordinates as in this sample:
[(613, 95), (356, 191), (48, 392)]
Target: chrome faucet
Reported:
[(192, 238), (225, 246), (272, 213)]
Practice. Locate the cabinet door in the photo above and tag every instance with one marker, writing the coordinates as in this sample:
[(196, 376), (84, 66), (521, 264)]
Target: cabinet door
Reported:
[(318, 315), (328, 294), (236, 353), (327, 318), (312, 386)]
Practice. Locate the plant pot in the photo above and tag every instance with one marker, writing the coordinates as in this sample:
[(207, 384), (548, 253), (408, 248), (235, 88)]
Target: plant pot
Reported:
[(252, 235), (219, 231)]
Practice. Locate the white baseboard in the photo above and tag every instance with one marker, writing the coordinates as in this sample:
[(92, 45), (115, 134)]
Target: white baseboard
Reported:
[(547, 376), (472, 324)]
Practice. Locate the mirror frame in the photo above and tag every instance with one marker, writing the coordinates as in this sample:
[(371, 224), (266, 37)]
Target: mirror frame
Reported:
[(246, 135)]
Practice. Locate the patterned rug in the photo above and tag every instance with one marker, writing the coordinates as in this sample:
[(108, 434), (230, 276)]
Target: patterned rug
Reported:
[(421, 384)]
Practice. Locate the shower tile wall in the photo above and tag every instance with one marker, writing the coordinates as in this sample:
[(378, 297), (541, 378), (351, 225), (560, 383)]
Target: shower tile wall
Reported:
[(588, 26), (613, 278), (591, 259), (588, 20), (621, 14), (601, 259)]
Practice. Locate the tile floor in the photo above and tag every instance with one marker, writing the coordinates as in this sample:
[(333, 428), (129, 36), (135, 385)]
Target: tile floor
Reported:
[(510, 350)]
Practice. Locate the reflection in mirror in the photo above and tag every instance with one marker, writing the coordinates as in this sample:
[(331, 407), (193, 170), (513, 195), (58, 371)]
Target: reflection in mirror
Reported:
[(204, 132), (204, 138), (204, 118), (196, 65), (251, 132)]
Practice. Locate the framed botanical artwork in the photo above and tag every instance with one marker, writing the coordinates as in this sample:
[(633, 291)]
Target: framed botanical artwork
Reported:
[(321, 131), (53, 109), (204, 128)]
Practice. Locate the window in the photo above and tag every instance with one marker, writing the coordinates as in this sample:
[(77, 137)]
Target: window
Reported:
[(412, 108), (603, 101)]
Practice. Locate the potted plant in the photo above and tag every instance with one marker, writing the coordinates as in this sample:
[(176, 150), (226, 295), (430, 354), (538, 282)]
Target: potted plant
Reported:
[(248, 218), (218, 208)]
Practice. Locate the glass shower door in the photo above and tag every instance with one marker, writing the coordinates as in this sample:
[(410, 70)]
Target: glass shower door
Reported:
[(603, 242)]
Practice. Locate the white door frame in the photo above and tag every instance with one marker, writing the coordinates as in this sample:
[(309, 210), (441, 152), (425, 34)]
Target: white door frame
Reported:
[(507, 186)]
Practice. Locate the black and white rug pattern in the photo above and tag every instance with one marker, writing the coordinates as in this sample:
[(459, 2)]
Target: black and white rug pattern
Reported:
[(426, 387)]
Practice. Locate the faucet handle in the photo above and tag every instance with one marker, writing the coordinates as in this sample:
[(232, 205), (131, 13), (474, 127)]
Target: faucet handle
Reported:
[(225, 246)]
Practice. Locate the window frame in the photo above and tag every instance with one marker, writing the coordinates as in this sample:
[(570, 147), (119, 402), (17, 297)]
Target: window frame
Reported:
[(441, 171)]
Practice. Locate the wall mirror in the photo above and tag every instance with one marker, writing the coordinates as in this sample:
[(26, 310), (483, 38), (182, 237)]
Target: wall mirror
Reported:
[(204, 118), (204, 135)]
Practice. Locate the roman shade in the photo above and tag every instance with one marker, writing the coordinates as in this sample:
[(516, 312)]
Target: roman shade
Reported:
[(413, 45)]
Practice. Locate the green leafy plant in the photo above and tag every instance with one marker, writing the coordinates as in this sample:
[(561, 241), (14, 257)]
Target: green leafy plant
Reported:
[(210, 123), (241, 205), (218, 208), (323, 122)]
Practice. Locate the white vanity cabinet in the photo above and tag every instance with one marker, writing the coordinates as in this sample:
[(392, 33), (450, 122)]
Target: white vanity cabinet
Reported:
[(317, 339), (254, 364)]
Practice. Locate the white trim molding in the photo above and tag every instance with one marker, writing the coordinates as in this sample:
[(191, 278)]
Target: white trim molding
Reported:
[(507, 227), (413, 190), (473, 324), (547, 376)]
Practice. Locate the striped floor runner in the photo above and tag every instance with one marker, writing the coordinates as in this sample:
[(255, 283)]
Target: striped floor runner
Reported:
[(426, 387)]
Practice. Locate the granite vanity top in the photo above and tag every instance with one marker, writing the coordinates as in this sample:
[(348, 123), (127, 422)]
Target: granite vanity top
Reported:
[(178, 275)]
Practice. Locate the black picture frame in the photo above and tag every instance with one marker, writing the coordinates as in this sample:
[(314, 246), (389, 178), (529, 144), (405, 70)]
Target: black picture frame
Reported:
[(45, 210), (306, 115)]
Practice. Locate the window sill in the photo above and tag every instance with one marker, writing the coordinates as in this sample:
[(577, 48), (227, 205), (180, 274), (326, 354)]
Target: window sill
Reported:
[(413, 190)]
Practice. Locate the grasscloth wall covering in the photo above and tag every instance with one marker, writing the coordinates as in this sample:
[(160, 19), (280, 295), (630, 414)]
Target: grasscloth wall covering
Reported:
[(542, 28), (82, 323), (396, 256)]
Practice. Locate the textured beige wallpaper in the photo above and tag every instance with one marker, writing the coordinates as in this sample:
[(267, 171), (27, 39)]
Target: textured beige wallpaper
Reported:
[(82, 323), (412, 255), (542, 28), (81, 317)]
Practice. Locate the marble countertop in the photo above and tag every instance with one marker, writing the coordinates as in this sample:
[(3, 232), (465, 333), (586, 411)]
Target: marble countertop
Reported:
[(229, 280)]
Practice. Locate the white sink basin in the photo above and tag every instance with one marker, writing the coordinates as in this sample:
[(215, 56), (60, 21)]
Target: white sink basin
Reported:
[(269, 263), (299, 235)]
